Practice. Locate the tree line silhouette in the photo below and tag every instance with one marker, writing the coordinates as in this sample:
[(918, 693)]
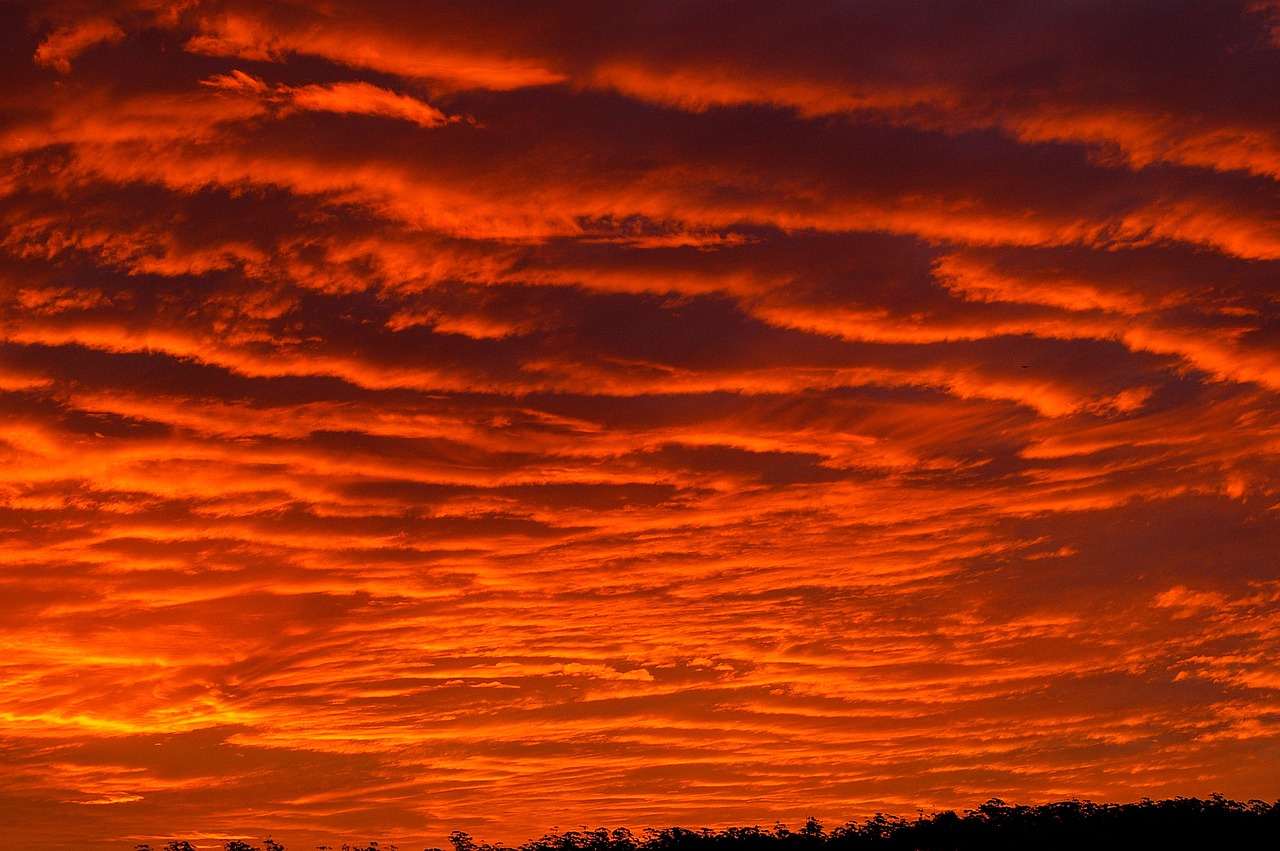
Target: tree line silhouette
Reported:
[(1177, 824)]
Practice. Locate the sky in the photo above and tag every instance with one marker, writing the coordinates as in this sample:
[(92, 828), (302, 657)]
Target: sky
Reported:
[(422, 416)]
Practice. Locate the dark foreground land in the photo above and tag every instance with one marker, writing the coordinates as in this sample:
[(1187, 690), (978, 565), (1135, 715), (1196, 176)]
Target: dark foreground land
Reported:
[(1216, 824)]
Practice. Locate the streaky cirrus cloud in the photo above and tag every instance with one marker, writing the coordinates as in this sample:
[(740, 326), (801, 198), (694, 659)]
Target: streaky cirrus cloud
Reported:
[(418, 418)]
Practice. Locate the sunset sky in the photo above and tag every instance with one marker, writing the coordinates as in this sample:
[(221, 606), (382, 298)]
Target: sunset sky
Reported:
[(493, 415)]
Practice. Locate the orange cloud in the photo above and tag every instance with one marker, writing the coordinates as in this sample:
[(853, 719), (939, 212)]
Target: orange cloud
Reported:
[(353, 98), (245, 35), (66, 43)]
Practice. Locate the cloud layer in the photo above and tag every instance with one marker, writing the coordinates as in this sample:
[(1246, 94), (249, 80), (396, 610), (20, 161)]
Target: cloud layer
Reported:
[(416, 419)]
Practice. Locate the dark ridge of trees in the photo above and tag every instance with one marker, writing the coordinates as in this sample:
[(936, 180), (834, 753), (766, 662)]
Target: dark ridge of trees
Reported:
[(1177, 824), (1216, 824)]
